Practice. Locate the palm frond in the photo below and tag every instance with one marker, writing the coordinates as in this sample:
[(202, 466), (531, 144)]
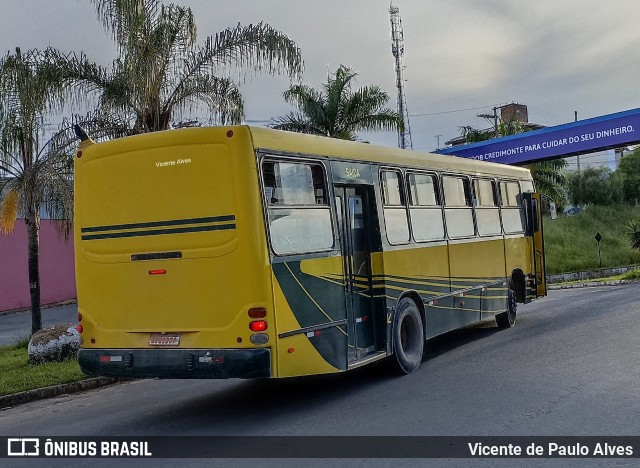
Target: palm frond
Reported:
[(259, 47), (296, 122), (633, 234)]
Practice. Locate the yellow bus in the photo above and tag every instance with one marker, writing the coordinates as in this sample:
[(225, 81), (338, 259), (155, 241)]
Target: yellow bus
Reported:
[(240, 252)]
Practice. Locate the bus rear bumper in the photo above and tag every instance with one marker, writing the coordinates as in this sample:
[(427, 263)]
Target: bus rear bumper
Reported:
[(177, 363)]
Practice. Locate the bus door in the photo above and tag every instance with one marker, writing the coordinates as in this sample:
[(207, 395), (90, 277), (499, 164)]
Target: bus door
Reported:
[(533, 203), (353, 209)]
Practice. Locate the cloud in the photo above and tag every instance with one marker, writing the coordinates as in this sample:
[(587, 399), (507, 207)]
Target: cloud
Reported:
[(555, 56)]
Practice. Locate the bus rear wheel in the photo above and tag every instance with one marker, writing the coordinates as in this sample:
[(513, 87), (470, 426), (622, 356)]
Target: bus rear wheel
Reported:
[(408, 337), (508, 319)]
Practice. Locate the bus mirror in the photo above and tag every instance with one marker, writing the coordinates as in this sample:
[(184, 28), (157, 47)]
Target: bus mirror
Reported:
[(552, 209)]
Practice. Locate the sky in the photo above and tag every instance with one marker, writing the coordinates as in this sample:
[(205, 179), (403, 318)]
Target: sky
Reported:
[(462, 57)]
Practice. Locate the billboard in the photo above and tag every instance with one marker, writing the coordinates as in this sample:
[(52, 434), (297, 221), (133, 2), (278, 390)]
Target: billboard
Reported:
[(583, 136)]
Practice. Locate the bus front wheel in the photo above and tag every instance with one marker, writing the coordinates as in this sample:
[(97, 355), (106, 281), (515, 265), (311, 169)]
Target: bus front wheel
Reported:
[(408, 337), (508, 319)]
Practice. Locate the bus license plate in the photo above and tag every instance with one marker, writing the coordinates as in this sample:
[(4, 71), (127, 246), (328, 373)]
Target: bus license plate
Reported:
[(158, 339)]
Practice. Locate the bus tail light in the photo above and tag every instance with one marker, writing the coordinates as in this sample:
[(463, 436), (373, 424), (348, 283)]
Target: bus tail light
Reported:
[(80, 328), (258, 325), (157, 272), (257, 313)]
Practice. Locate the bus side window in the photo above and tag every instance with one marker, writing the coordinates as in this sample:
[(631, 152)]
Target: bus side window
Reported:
[(458, 206), (298, 209), (425, 207), (395, 213), (512, 213), (527, 185), (487, 211)]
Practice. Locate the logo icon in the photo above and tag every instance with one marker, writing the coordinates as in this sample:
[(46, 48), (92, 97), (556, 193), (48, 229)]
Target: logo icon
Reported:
[(23, 447)]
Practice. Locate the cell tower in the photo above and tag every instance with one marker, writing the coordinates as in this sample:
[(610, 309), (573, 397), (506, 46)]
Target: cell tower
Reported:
[(397, 48)]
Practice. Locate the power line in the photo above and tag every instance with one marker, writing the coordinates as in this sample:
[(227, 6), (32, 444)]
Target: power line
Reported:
[(410, 115), (450, 111)]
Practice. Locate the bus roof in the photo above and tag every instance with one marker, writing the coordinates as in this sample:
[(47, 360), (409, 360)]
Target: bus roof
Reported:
[(278, 140), (267, 139)]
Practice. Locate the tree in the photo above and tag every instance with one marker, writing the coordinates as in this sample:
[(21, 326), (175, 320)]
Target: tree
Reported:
[(474, 135), (548, 175), (337, 111), (34, 173), (629, 170), (161, 72), (549, 179), (595, 186)]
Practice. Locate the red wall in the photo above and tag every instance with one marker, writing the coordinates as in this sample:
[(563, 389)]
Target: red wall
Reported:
[(57, 271)]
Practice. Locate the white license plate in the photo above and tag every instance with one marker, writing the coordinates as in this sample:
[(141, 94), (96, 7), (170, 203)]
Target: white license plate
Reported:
[(158, 339)]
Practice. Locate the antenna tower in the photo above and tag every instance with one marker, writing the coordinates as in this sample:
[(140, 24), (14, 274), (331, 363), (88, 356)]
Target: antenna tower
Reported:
[(397, 48)]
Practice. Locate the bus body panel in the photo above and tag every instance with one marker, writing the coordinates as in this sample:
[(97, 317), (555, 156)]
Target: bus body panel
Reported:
[(175, 247), (424, 270), (300, 348), (313, 301), (478, 278)]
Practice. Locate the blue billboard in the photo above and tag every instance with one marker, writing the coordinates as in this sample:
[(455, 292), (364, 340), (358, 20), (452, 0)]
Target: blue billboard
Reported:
[(583, 136)]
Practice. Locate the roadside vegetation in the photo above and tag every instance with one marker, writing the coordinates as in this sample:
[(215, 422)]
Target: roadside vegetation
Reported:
[(19, 376), (632, 275), (570, 243)]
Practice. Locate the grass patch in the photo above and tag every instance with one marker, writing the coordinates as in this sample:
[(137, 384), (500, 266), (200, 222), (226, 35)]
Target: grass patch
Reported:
[(570, 243), (17, 376), (593, 280), (632, 275)]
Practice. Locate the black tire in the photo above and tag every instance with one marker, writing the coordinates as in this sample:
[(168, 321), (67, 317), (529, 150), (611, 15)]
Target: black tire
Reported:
[(508, 319), (408, 337)]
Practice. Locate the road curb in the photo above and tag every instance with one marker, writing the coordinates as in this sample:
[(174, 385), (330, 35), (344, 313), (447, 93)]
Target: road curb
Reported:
[(42, 307), (590, 284), (7, 401)]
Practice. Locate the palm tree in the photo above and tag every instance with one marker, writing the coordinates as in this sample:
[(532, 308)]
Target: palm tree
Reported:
[(32, 173), (550, 179), (161, 72), (548, 175), (337, 111)]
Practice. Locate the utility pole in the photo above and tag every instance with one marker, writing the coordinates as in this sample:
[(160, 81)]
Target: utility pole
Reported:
[(397, 48), (437, 137), (575, 119), (493, 116)]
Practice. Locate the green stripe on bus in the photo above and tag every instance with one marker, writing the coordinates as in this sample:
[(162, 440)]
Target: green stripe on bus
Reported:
[(172, 222), (158, 232)]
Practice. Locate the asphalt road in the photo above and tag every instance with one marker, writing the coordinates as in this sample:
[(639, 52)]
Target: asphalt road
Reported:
[(15, 326), (571, 366)]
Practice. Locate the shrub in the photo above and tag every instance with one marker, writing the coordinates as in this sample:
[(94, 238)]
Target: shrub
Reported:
[(633, 233), (595, 186)]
